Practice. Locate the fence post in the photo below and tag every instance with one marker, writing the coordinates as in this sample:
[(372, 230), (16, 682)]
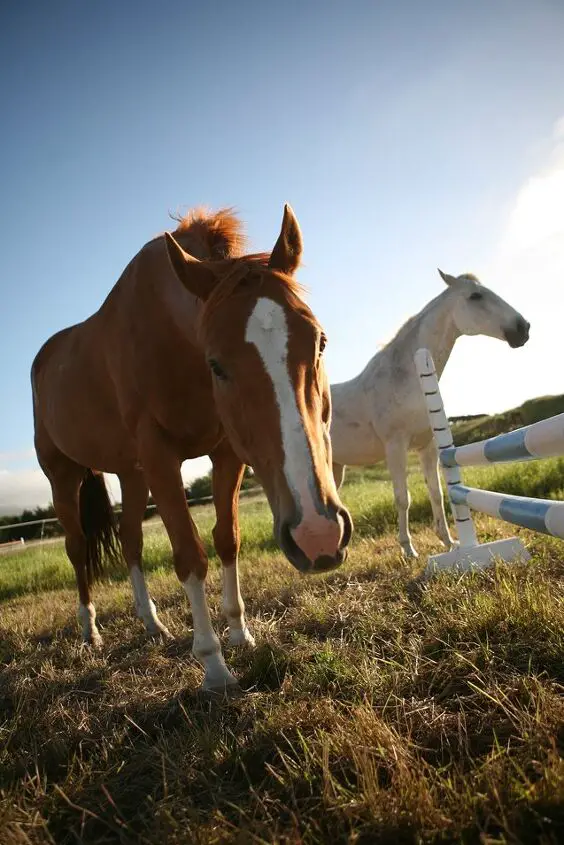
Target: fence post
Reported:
[(442, 433)]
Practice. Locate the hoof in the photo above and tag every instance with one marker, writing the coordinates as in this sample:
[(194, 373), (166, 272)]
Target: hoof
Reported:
[(94, 642), (220, 686), (241, 639), (409, 552), (159, 632)]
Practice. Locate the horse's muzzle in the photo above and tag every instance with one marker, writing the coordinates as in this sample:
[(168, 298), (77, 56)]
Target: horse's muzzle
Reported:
[(323, 562), (518, 335)]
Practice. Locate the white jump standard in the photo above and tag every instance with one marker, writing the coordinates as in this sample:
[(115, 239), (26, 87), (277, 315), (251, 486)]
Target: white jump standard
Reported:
[(540, 440)]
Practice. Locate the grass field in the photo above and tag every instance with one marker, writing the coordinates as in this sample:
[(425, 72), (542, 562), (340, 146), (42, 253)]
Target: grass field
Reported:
[(376, 710)]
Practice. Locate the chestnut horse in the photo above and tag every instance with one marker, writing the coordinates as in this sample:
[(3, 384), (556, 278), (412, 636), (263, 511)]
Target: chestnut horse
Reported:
[(197, 350)]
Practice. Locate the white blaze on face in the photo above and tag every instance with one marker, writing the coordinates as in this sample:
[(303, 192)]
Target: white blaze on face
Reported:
[(267, 329)]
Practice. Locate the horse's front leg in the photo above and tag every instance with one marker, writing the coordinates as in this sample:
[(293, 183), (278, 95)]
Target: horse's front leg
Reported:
[(227, 475), (162, 471)]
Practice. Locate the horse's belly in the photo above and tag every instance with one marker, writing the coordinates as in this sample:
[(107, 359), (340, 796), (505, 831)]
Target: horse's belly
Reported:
[(105, 445), (86, 425), (355, 443)]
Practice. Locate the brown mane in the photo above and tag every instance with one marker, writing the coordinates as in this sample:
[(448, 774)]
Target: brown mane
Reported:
[(219, 233), (246, 271), (219, 236)]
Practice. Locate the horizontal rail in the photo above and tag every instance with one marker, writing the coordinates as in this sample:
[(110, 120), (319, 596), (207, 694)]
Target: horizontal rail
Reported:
[(543, 515), (54, 519), (544, 439), (203, 500)]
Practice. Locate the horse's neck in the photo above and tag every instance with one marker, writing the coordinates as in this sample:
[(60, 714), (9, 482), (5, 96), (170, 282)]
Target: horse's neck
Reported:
[(434, 329), (174, 304)]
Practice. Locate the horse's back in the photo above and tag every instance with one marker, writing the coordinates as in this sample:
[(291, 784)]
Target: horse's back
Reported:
[(136, 358)]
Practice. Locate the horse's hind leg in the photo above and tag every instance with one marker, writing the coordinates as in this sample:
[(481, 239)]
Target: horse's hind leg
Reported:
[(135, 493), (429, 463), (396, 459), (65, 484)]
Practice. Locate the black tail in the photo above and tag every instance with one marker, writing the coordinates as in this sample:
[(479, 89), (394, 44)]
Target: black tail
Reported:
[(99, 525)]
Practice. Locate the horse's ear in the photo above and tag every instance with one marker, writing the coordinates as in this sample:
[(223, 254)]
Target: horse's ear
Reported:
[(287, 252), (447, 279), (196, 276)]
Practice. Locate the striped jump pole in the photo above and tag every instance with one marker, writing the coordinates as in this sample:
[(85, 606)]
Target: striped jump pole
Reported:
[(544, 439), (469, 554)]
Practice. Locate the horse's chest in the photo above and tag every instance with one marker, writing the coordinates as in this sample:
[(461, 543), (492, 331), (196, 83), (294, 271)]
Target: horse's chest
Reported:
[(188, 411)]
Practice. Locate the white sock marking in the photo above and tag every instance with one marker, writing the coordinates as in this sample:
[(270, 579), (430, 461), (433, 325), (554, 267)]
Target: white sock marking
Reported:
[(205, 647), (234, 608), (144, 605), (267, 329), (87, 616)]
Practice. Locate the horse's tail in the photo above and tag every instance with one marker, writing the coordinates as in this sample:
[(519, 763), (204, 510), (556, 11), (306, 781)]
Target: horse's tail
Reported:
[(99, 525)]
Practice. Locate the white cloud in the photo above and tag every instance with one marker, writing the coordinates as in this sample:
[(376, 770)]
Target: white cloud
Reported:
[(537, 216), (527, 269), (21, 489), (20, 456), (29, 488)]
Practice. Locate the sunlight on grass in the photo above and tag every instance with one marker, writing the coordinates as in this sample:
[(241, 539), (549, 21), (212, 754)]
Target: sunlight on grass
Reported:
[(377, 709), (370, 502)]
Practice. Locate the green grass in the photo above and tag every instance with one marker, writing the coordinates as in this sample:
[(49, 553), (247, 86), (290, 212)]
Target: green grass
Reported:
[(377, 710), (367, 492)]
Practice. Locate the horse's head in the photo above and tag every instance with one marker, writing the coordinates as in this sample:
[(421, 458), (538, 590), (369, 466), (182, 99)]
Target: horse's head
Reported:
[(478, 310), (264, 348)]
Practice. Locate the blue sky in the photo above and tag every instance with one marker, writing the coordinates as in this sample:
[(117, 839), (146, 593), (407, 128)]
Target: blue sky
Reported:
[(405, 135)]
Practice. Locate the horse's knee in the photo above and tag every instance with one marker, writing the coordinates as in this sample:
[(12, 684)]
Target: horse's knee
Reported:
[(226, 542), (190, 562), (403, 500)]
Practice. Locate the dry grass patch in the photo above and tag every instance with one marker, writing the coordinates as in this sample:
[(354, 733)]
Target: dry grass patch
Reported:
[(377, 709)]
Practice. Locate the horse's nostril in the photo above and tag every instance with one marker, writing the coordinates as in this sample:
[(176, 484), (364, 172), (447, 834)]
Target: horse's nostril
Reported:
[(285, 536), (522, 325), (347, 527), (290, 548), (325, 563), (519, 334)]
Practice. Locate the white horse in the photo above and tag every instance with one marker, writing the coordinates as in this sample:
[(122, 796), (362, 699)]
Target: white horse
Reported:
[(381, 414)]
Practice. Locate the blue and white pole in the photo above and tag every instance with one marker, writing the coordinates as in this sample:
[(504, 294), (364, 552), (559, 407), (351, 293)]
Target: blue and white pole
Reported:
[(544, 439), (469, 554), (543, 515)]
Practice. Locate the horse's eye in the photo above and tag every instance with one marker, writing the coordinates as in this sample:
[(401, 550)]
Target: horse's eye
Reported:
[(476, 296), (216, 369), (322, 344)]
